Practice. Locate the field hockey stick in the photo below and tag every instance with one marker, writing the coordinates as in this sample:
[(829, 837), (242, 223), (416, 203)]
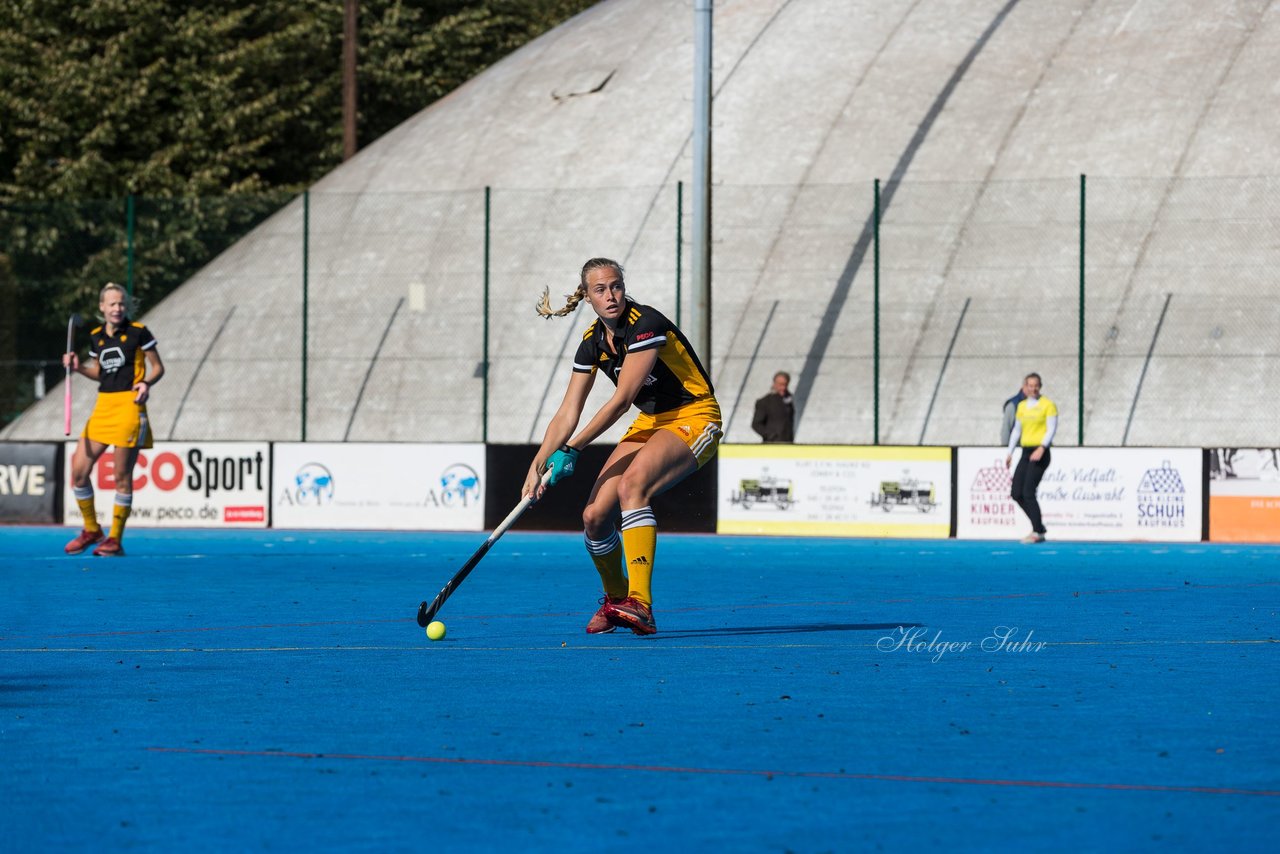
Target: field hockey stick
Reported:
[(72, 323), (427, 613)]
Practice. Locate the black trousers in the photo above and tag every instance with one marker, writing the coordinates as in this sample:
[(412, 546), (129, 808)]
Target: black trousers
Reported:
[(1026, 477)]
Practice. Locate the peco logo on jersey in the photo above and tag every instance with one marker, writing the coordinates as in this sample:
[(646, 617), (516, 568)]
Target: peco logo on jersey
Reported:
[(1162, 498), (312, 487)]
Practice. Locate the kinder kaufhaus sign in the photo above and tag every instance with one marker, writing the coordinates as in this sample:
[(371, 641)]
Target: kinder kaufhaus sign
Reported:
[(1152, 494)]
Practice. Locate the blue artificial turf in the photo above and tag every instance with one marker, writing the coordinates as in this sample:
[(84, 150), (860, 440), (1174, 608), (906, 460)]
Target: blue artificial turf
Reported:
[(271, 690)]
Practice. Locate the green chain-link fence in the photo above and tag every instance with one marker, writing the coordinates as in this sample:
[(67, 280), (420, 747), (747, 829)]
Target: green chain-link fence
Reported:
[(905, 311), (54, 257)]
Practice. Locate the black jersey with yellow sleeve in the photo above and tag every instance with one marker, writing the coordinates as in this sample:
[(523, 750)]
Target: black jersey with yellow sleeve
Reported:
[(678, 377), (121, 357)]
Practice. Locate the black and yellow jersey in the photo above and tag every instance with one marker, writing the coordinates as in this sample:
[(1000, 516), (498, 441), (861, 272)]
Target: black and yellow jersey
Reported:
[(678, 377), (121, 359)]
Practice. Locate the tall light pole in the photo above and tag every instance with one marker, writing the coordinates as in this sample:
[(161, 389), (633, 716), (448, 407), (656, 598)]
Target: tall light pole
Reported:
[(350, 12), (699, 328)]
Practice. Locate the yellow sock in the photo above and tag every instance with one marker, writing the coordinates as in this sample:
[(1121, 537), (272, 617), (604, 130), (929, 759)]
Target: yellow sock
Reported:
[(640, 540), (124, 503), (606, 554), (84, 499)]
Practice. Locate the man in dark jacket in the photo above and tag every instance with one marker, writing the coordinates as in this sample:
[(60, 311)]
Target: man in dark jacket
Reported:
[(775, 416)]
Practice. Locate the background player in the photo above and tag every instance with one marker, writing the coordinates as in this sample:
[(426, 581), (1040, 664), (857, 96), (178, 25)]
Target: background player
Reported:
[(121, 354), (1033, 428)]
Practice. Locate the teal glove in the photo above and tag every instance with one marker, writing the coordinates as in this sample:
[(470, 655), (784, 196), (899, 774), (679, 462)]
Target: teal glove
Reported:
[(561, 464)]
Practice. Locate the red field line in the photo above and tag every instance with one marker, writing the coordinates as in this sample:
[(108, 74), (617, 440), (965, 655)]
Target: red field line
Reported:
[(675, 769)]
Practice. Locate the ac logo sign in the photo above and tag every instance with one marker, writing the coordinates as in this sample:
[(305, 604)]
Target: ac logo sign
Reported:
[(459, 487), (312, 487)]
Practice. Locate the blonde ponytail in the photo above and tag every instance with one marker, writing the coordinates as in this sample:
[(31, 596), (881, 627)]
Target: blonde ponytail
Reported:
[(543, 306)]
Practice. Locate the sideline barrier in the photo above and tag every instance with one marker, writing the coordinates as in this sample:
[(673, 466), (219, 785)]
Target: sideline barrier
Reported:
[(29, 478), (182, 485), (376, 486), (1244, 495), (1089, 494), (1154, 494), (835, 491), (689, 508)]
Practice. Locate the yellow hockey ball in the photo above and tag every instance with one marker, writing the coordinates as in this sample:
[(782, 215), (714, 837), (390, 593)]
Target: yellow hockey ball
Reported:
[(435, 631)]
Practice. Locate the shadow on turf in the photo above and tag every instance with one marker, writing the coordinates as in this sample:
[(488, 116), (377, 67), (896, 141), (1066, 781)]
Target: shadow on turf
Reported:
[(728, 631), (17, 692)]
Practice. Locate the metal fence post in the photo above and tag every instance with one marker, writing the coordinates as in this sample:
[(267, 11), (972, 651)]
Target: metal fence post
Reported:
[(484, 365), (876, 311), (679, 242), (1080, 395), (306, 237)]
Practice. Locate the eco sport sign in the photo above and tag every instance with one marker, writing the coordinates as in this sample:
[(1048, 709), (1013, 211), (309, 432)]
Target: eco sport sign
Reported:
[(184, 485)]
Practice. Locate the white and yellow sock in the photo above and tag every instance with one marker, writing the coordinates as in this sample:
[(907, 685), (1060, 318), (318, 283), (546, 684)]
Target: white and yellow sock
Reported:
[(640, 540), (606, 554), (84, 499), (124, 504)]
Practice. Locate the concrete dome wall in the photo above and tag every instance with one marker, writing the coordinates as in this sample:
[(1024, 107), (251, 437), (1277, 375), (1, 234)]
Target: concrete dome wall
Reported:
[(978, 116)]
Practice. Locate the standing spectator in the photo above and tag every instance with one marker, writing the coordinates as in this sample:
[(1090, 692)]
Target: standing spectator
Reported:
[(1036, 420), (775, 418)]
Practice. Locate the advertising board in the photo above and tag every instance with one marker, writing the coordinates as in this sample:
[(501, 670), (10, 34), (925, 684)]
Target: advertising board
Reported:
[(183, 485), (359, 486), (834, 490), (1087, 494), (29, 482), (1244, 495)]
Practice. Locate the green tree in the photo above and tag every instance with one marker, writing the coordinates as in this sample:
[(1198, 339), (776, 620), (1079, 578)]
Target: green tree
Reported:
[(211, 113)]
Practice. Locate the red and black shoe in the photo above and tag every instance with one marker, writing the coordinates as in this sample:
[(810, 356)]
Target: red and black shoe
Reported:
[(82, 541), (599, 624), (632, 614), (110, 547)]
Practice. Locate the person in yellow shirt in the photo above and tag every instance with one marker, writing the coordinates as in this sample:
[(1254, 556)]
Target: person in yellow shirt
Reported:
[(1035, 423)]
